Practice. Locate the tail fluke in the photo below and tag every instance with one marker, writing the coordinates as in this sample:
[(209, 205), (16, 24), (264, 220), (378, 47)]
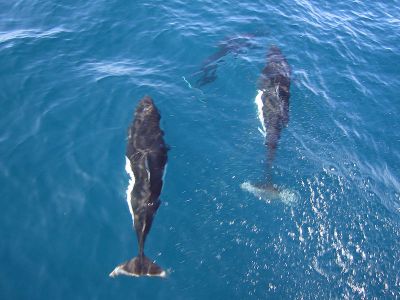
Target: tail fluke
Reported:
[(139, 266), (268, 193), (261, 190)]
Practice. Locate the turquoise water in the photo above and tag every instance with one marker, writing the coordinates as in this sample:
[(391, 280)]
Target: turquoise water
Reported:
[(71, 74)]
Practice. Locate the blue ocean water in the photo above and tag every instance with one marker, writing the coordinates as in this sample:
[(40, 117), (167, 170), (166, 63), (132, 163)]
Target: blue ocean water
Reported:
[(71, 75)]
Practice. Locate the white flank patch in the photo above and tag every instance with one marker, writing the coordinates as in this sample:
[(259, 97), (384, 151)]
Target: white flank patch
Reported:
[(260, 106), (165, 173), (286, 196), (163, 177), (128, 169)]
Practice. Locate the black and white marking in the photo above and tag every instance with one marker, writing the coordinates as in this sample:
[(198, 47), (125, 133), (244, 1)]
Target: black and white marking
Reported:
[(146, 158)]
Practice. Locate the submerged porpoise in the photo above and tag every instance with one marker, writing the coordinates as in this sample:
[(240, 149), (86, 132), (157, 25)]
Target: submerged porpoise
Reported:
[(273, 102), (146, 157), (208, 71)]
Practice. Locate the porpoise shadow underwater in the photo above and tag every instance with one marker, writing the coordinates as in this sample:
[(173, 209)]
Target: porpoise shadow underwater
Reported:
[(208, 70)]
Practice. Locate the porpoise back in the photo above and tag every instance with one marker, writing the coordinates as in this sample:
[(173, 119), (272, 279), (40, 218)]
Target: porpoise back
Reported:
[(146, 157)]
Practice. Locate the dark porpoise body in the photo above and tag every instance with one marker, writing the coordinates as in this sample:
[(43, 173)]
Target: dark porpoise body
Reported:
[(207, 73), (273, 100), (146, 157)]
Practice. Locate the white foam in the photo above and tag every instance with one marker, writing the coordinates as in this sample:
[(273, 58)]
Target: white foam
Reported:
[(188, 83), (286, 196), (163, 274), (128, 169), (119, 271), (260, 105)]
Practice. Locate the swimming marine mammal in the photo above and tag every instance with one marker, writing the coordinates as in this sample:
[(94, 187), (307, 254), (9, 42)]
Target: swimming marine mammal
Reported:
[(146, 157), (273, 111), (236, 44), (273, 100)]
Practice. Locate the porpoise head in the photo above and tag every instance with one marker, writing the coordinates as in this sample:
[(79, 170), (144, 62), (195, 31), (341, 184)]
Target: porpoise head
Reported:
[(145, 106)]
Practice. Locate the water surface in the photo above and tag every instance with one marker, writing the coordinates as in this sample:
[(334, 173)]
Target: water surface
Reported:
[(71, 75)]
